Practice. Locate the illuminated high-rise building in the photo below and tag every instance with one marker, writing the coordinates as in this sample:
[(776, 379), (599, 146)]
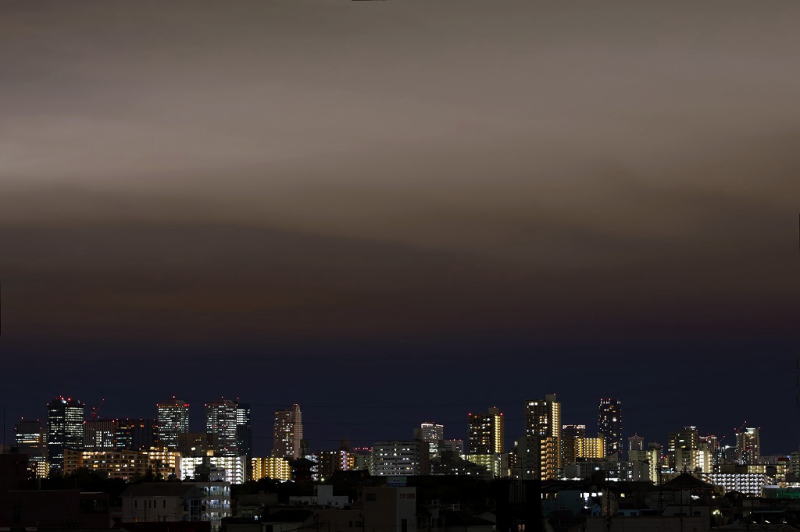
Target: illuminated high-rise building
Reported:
[(432, 434), (485, 432), (570, 434), (748, 445), (222, 425), (542, 446), (172, 420), (686, 439), (65, 417), (135, 434), (287, 433), (609, 424), (100, 434), (30, 439), (244, 430)]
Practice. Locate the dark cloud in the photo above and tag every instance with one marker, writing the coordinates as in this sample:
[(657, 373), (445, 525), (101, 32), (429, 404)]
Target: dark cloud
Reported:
[(504, 177)]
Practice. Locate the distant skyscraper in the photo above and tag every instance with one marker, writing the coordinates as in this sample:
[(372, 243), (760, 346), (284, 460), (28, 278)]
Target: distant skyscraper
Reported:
[(570, 434), (244, 430), (748, 445), (222, 418), (609, 424), (64, 429), (30, 439), (485, 432), (100, 434), (542, 446), (432, 434), (135, 434), (173, 419), (287, 433)]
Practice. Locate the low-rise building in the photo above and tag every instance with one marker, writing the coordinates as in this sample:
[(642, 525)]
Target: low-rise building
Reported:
[(323, 496), (746, 483), (123, 464), (152, 502)]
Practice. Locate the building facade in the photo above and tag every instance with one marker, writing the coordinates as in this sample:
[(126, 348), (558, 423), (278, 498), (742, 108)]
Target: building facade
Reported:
[(172, 420), (272, 467), (609, 425), (222, 424), (542, 446), (399, 458), (570, 434), (30, 439), (65, 417), (135, 434), (100, 434), (287, 433), (748, 445), (432, 434), (230, 469), (486, 432), (123, 464), (244, 430), (175, 502)]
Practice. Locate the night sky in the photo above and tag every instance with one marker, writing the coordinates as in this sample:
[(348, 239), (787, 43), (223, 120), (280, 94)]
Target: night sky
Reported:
[(401, 211)]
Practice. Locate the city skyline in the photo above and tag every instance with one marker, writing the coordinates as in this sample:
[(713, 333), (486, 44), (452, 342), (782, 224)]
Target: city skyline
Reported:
[(477, 430)]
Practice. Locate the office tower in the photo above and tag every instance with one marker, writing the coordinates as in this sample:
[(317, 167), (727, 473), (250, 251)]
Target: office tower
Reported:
[(569, 442), (486, 432), (222, 425), (748, 445), (590, 447), (100, 434), (432, 434), (30, 439), (64, 429), (172, 419), (244, 430), (287, 434), (134, 434), (635, 443), (542, 451), (609, 424)]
